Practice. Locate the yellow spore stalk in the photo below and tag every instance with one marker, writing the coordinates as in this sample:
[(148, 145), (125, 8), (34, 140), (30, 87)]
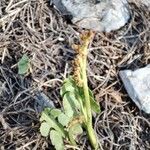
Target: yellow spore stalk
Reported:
[(80, 77), (81, 51), (77, 71)]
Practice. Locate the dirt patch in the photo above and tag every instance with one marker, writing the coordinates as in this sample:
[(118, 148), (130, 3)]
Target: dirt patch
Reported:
[(35, 28)]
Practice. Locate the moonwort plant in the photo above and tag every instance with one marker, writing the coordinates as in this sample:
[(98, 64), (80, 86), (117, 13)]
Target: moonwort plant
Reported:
[(66, 124)]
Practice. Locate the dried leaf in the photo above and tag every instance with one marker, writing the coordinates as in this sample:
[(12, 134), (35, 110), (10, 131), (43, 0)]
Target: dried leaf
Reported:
[(74, 131), (116, 95)]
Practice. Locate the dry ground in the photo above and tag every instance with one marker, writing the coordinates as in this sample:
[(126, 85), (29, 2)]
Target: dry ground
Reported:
[(35, 28)]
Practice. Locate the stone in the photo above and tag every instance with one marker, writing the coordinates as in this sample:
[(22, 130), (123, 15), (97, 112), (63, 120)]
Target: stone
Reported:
[(42, 101), (137, 84), (97, 15)]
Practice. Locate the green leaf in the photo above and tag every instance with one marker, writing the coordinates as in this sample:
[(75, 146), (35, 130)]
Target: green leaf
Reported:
[(68, 86), (45, 129), (46, 111), (70, 104), (57, 140), (63, 119), (94, 105), (70, 94), (74, 131), (23, 65), (52, 122), (55, 112)]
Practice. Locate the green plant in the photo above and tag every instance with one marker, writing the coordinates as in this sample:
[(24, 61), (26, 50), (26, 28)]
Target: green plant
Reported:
[(23, 65), (78, 103)]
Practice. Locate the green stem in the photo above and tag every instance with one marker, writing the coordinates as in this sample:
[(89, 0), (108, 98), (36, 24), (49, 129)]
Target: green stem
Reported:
[(88, 117), (73, 142)]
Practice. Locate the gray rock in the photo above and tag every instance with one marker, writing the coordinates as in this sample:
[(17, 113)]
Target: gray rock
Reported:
[(98, 15), (137, 84), (43, 101)]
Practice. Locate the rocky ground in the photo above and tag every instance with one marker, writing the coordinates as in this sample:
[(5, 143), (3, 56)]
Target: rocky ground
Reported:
[(35, 28)]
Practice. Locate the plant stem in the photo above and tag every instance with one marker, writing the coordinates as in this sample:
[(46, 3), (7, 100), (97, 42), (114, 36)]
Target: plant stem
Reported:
[(88, 117)]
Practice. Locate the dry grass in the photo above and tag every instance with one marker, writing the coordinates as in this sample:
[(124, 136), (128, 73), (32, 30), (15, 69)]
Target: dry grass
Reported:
[(35, 28)]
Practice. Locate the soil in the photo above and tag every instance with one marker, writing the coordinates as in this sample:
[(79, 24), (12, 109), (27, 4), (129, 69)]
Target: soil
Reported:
[(35, 28)]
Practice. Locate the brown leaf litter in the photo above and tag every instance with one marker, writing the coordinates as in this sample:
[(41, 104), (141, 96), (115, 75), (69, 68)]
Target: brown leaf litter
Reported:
[(35, 28)]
